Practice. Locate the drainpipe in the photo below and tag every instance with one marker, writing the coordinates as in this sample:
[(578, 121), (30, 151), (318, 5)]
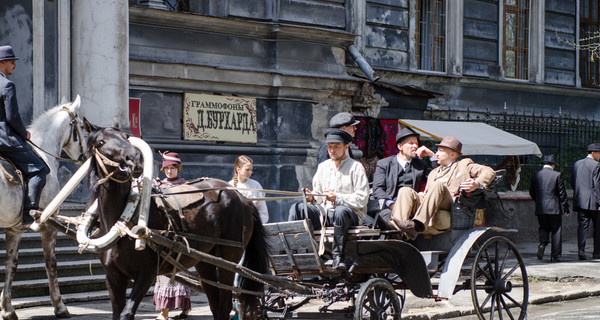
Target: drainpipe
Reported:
[(362, 63)]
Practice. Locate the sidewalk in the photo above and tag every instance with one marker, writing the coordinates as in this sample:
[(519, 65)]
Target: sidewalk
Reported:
[(570, 279)]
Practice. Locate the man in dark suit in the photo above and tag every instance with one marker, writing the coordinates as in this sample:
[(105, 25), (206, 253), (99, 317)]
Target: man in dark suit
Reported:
[(548, 191), (13, 137), (585, 184), (404, 170)]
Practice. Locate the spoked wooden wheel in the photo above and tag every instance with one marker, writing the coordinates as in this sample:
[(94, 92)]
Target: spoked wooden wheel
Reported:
[(499, 285), (377, 300)]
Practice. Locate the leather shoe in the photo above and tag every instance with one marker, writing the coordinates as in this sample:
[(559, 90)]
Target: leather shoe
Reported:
[(582, 257), (555, 260), (596, 256), (408, 227), (339, 264), (540, 251)]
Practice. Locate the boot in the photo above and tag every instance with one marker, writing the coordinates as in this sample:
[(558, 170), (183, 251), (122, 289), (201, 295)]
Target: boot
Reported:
[(339, 245), (34, 194)]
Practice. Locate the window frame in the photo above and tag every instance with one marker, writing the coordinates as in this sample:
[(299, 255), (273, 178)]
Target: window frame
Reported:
[(435, 39), (520, 74)]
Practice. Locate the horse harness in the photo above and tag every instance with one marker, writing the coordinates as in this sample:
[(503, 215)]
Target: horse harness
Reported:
[(74, 134)]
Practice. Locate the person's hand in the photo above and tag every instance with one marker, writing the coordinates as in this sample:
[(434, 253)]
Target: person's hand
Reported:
[(423, 151), (309, 197), (566, 214), (28, 135), (391, 206), (329, 195), (469, 185)]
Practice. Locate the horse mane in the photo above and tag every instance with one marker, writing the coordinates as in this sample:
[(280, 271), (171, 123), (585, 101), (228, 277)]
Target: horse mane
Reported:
[(43, 119)]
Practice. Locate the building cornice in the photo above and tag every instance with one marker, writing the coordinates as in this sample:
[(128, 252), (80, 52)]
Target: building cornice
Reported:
[(243, 28)]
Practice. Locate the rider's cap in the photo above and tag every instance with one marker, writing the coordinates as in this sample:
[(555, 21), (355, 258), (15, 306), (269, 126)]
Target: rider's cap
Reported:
[(405, 133), (337, 136), (7, 53), (594, 147), (343, 119), (452, 143), (169, 159)]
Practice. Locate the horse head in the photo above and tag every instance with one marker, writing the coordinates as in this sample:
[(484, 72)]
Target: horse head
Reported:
[(73, 141), (114, 156)]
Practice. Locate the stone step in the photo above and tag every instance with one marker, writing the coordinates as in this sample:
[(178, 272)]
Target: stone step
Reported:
[(36, 255), (75, 284), (32, 239), (65, 269)]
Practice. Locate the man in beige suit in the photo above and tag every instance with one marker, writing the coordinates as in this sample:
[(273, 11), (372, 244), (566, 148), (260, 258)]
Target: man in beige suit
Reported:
[(444, 183)]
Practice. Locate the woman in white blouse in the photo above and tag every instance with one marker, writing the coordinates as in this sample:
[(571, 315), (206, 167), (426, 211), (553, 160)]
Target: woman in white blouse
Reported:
[(242, 171)]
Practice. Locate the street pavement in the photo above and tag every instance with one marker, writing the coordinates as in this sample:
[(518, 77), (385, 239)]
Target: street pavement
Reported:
[(549, 282)]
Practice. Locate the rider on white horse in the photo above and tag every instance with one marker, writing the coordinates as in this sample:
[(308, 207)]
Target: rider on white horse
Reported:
[(13, 137)]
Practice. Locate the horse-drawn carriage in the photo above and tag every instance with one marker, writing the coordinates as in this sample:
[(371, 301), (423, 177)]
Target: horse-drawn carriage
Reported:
[(481, 260)]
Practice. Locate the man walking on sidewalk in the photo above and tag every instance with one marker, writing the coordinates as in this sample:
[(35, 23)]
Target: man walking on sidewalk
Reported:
[(585, 199), (548, 191)]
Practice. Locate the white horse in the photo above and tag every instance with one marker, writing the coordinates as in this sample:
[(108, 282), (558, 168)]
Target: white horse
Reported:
[(57, 129)]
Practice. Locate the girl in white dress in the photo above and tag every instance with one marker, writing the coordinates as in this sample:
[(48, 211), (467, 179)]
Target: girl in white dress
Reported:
[(242, 171)]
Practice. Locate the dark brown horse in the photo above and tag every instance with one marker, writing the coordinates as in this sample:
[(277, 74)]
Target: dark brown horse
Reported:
[(222, 214)]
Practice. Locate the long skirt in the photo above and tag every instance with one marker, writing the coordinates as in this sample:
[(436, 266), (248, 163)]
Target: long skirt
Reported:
[(167, 296)]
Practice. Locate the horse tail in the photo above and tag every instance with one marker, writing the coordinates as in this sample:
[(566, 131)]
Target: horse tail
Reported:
[(255, 259)]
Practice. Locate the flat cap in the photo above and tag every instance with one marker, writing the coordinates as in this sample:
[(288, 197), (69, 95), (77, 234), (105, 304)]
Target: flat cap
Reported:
[(337, 136), (342, 119)]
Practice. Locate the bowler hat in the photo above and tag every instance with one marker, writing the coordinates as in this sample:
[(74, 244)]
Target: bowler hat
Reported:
[(170, 159), (404, 133), (343, 119), (548, 159), (7, 53), (594, 147), (337, 136), (452, 143)]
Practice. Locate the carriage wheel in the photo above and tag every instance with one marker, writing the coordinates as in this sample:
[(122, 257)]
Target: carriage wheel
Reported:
[(499, 284), (377, 300)]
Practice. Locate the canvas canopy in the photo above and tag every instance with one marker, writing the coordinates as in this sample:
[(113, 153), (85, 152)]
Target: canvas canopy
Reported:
[(477, 138)]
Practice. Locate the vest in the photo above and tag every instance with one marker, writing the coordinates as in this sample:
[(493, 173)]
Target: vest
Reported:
[(405, 179)]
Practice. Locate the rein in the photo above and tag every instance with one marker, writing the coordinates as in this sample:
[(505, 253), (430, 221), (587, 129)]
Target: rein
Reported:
[(102, 162), (76, 137)]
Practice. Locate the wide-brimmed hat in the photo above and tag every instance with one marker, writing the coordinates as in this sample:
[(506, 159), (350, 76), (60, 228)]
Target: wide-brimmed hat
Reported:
[(548, 159), (594, 147), (343, 119), (170, 159), (337, 136), (404, 133), (7, 53), (452, 143)]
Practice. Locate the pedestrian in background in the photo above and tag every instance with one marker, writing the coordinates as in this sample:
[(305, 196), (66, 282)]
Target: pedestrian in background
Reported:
[(242, 170), (585, 199), (343, 121), (548, 191), (167, 295)]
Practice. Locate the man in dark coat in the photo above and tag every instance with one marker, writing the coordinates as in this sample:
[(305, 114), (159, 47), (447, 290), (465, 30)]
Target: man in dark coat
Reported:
[(404, 170), (585, 199), (548, 191), (343, 121), (13, 137)]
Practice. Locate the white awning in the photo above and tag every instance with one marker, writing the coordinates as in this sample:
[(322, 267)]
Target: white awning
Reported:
[(477, 138)]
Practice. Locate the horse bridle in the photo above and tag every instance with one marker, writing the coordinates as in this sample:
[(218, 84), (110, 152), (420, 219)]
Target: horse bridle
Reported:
[(74, 133), (104, 161)]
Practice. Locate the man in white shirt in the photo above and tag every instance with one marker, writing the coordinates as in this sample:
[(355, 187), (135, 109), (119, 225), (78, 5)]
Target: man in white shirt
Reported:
[(340, 193)]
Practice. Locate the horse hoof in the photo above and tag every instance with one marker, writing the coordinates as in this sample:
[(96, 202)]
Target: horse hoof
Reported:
[(9, 315), (62, 313)]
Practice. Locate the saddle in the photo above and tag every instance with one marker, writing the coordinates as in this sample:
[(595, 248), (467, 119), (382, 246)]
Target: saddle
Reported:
[(176, 202), (10, 172)]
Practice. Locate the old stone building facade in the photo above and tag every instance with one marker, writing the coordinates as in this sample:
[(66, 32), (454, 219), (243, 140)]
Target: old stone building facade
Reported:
[(294, 58)]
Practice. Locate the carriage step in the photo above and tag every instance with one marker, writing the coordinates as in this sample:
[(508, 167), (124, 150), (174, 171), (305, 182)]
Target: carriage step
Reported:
[(65, 269), (39, 287)]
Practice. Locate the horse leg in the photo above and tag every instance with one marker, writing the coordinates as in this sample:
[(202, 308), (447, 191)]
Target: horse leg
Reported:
[(219, 308), (49, 245), (13, 239), (141, 285), (116, 283)]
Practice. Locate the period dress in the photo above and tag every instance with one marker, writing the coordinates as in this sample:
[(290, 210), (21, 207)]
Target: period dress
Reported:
[(167, 296)]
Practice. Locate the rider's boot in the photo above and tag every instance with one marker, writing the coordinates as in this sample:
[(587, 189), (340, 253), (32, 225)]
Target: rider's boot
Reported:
[(339, 245), (36, 184)]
